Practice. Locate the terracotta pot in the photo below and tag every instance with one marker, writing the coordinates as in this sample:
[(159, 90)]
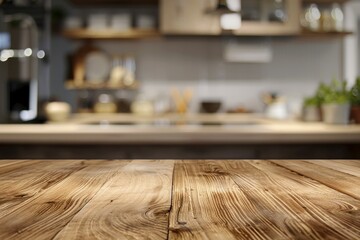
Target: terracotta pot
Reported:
[(355, 114), (336, 113)]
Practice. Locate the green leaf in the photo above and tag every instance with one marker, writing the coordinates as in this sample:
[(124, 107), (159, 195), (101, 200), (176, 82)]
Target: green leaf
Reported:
[(355, 93), (334, 92)]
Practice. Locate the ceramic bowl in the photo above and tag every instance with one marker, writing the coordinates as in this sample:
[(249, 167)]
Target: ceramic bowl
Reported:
[(57, 111), (210, 106)]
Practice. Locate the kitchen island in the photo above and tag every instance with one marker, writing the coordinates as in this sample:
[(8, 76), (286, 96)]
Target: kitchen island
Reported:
[(168, 199), (173, 136)]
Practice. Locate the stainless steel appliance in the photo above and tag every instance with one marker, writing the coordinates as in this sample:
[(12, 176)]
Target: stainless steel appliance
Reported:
[(4, 44), (19, 74)]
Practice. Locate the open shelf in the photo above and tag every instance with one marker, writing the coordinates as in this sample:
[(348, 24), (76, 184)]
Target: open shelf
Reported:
[(146, 34), (321, 34), (110, 34), (324, 1), (70, 84)]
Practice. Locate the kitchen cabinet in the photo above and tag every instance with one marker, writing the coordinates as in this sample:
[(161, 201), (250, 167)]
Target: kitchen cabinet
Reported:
[(187, 17), (265, 21)]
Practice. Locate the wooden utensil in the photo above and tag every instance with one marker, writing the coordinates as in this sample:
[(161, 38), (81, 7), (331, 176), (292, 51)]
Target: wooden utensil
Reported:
[(181, 100)]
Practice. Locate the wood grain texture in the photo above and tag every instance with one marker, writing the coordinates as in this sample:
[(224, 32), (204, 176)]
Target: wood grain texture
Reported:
[(7, 167), (351, 163), (324, 213), (245, 200), (45, 214), (134, 204), (340, 166), (201, 199), (4, 163), (27, 181), (205, 204), (337, 180)]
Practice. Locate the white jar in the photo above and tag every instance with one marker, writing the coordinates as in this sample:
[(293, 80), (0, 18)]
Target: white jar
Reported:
[(73, 23), (120, 22), (98, 22), (277, 110), (144, 21)]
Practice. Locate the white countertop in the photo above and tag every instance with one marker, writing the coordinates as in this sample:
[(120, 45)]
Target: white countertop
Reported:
[(249, 128)]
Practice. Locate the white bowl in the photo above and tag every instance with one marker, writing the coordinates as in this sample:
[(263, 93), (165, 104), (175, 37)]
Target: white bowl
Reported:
[(57, 111)]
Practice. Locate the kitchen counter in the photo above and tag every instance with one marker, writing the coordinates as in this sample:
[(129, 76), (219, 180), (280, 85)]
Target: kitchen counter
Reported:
[(233, 128), (147, 199), (224, 136)]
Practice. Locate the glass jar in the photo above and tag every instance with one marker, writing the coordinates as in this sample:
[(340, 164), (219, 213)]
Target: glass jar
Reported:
[(129, 64), (277, 13), (84, 102), (326, 21), (311, 18), (337, 17)]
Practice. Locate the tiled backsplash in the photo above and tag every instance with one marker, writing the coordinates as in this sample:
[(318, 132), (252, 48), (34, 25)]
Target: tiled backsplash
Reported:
[(358, 46), (295, 71)]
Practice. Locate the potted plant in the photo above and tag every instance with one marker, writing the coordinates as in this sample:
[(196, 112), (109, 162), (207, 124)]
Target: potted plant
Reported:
[(335, 102), (312, 105), (355, 101), (311, 109)]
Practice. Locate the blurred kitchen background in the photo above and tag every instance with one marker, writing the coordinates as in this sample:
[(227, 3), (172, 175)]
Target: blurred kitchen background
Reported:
[(89, 52)]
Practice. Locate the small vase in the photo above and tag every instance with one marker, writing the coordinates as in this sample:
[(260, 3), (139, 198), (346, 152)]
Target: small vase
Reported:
[(355, 114), (336, 113)]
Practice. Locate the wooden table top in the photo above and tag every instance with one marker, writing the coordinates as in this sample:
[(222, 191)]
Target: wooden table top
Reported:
[(149, 199)]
